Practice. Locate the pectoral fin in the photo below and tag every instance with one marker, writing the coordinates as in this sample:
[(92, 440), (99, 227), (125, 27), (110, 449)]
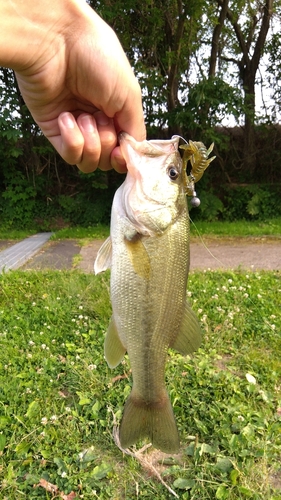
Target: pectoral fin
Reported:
[(139, 257), (189, 336), (113, 348), (103, 259)]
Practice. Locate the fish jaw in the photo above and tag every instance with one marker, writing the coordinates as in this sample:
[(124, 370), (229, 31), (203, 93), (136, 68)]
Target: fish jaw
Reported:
[(151, 200)]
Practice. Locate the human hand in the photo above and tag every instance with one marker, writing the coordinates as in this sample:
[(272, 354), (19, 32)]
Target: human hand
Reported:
[(77, 82)]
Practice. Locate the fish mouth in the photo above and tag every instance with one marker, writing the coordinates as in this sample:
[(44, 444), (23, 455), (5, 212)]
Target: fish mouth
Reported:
[(152, 148)]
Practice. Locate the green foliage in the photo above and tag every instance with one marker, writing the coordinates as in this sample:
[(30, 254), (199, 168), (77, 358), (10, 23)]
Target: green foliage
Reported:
[(207, 104), (252, 202), (59, 400)]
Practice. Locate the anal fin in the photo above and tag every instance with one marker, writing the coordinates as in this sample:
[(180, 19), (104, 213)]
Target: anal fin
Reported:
[(189, 336), (113, 348)]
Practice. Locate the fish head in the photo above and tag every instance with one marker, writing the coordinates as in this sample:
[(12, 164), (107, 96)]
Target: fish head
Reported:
[(154, 189)]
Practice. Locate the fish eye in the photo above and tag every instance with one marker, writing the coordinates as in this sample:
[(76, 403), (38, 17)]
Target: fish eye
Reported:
[(173, 173)]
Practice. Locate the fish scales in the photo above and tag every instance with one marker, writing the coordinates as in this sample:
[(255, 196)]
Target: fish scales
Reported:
[(149, 259)]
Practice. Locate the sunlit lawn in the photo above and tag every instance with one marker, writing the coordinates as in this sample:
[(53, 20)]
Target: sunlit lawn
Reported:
[(58, 398)]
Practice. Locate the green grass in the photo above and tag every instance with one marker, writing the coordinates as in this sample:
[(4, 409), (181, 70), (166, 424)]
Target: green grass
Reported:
[(98, 231), (15, 234), (58, 398), (237, 228), (224, 229)]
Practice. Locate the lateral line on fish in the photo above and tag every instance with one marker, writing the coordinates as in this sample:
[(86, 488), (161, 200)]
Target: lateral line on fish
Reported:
[(204, 244)]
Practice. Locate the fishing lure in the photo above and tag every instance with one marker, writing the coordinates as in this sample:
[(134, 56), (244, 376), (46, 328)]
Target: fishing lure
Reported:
[(197, 154)]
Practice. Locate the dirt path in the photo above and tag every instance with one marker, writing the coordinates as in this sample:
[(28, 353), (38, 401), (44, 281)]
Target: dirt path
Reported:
[(241, 253), (244, 253)]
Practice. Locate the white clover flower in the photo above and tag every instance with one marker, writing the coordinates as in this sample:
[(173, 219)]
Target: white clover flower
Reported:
[(68, 409), (28, 390), (49, 328), (200, 311), (63, 474), (272, 316), (259, 296), (240, 417), (58, 298), (215, 296), (44, 420), (230, 280), (246, 295), (53, 418), (34, 303), (273, 327), (29, 355), (31, 342), (251, 379), (224, 288), (92, 367), (80, 316), (189, 294), (53, 341), (80, 307), (43, 346)]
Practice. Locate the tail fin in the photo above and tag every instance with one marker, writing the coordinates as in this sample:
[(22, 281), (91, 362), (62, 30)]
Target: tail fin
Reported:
[(157, 422)]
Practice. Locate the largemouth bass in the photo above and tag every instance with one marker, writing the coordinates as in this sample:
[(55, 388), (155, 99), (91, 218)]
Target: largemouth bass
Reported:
[(148, 253)]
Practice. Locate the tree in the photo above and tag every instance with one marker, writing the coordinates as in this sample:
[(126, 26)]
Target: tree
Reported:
[(250, 22), (159, 37)]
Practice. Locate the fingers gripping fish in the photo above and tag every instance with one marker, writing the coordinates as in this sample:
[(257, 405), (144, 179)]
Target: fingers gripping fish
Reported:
[(148, 253)]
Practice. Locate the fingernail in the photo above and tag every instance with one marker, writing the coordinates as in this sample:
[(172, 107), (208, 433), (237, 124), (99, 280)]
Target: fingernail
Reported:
[(101, 118), (87, 123), (67, 120)]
